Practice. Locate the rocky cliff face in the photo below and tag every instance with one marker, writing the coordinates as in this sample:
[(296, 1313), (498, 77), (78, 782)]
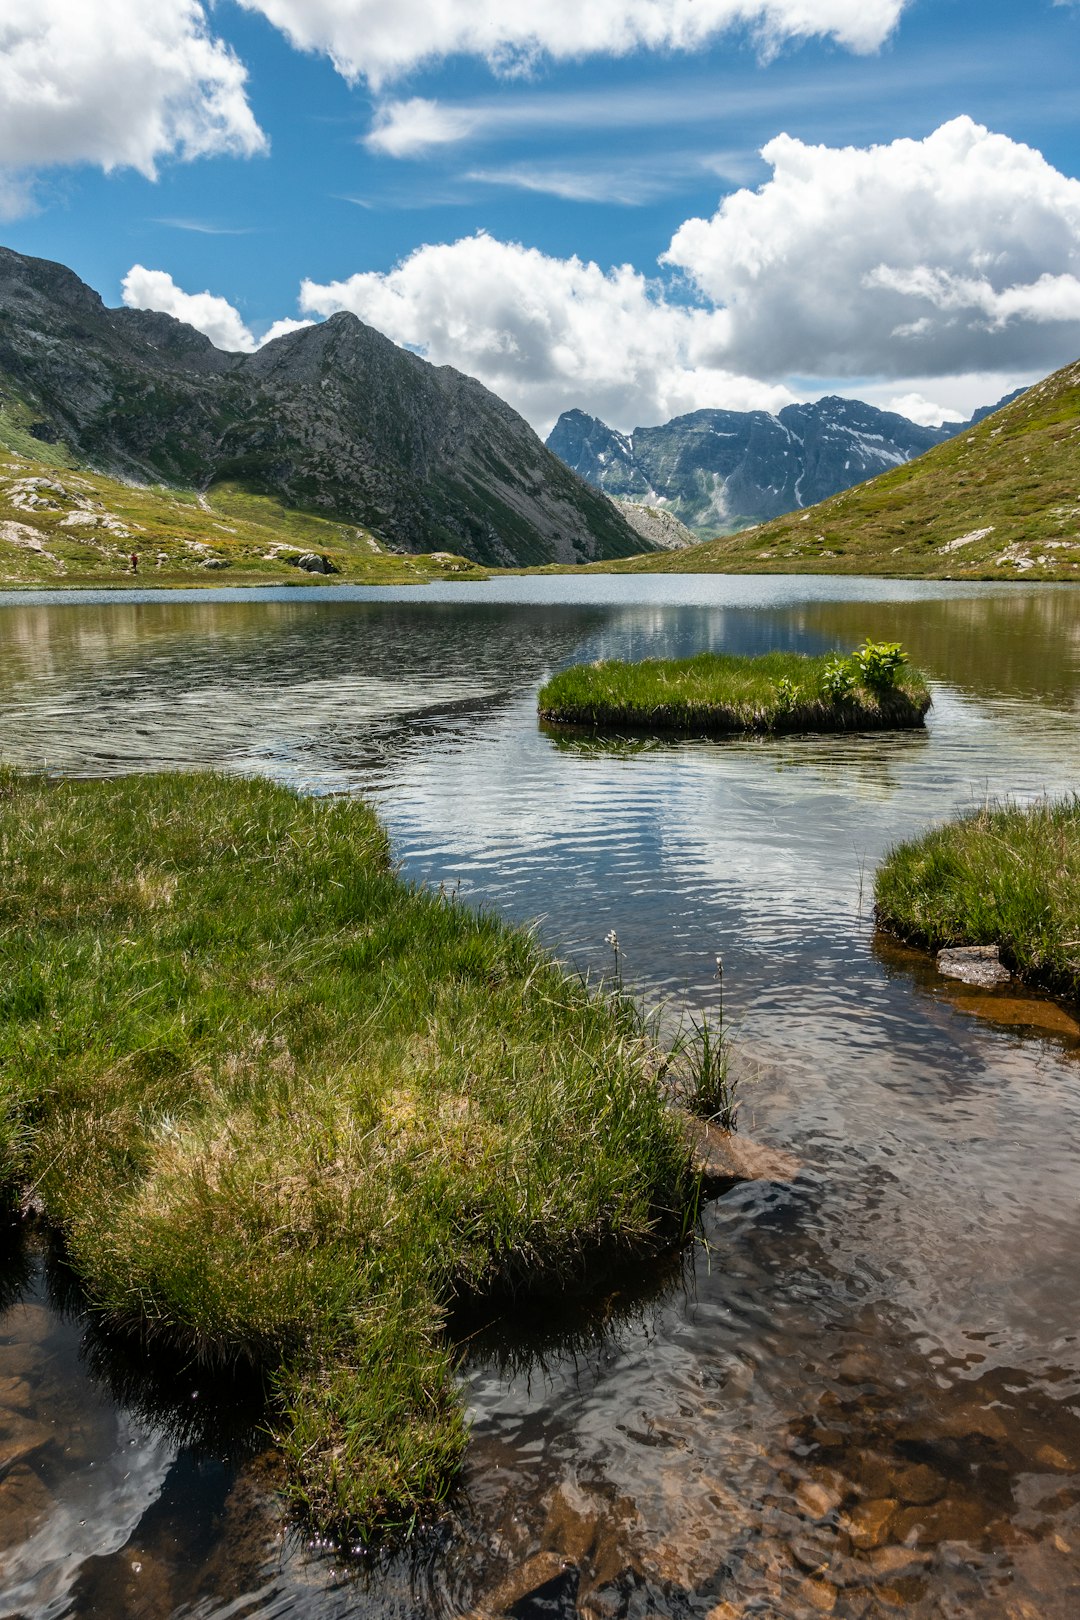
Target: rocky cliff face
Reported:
[(334, 419), (720, 471)]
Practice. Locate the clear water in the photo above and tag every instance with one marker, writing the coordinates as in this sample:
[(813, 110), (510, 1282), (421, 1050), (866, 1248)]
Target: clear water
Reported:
[(901, 1325)]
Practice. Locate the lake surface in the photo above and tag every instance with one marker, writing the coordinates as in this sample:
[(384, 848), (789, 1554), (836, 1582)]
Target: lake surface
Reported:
[(856, 1394)]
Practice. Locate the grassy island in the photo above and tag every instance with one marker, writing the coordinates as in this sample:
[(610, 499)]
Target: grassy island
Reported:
[(1005, 876), (285, 1109), (718, 693)]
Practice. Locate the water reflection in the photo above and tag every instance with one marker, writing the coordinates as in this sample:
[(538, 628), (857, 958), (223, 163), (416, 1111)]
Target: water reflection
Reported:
[(861, 1394)]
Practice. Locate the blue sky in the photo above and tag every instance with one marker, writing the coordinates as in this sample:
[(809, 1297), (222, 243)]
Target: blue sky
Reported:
[(601, 158)]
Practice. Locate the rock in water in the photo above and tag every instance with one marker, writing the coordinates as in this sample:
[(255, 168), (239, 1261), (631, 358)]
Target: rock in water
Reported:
[(979, 965)]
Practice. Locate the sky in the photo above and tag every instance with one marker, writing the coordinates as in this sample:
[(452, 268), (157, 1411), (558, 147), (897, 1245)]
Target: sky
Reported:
[(633, 207)]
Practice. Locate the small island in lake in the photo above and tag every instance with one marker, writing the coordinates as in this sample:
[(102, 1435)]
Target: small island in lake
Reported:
[(1005, 876), (874, 689)]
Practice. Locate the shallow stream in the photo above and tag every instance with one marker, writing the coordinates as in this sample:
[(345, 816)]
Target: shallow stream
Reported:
[(856, 1394)]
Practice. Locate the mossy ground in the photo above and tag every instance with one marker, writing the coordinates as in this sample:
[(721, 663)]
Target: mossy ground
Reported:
[(1006, 876), (285, 1109), (716, 693)]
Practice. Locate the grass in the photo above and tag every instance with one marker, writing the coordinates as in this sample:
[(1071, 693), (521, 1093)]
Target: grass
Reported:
[(62, 527), (1005, 876), (717, 693), (998, 502), (285, 1110)]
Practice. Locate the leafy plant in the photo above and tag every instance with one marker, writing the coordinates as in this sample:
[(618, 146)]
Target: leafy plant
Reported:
[(787, 695), (838, 678), (879, 663)]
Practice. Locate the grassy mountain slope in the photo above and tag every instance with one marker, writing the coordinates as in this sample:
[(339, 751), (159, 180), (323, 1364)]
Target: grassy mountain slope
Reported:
[(1000, 501), (62, 526)]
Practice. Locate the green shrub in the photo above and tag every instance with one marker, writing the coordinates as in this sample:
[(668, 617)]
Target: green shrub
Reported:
[(878, 664), (838, 678)]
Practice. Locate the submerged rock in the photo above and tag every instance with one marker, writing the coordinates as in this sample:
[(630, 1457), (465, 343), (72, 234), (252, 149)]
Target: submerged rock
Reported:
[(724, 1157), (974, 964)]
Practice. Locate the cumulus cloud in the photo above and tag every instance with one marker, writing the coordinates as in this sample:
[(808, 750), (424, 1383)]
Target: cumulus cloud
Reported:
[(120, 83), (956, 253), (371, 40), (546, 333), (206, 311), (917, 408)]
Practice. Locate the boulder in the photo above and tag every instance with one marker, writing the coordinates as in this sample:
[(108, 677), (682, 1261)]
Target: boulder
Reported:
[(312, 563)]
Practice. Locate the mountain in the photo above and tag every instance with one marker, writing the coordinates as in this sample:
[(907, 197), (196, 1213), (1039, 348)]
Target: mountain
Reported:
[(724, 470), (333, 419), (1001, 500)]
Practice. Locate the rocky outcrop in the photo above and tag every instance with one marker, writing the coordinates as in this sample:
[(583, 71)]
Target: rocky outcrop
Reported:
[(656, 526), (333, 418)]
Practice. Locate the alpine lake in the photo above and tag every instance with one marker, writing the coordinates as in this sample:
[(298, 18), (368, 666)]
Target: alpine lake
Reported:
[(855, 1393)]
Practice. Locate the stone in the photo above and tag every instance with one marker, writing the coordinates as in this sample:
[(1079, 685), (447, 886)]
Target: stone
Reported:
[(215, 562), (979, 965), (725, 1611), (24, 1501), (947, 1520), (815, 1499), (312, 563), (885, 1561), (868, 1524), (724, 1157), (1050, 1457), (16, 1395), (20, 1437), (817, 1595), (919, 1485)]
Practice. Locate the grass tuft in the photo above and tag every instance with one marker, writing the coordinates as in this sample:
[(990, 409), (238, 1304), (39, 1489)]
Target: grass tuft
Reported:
[(285, 1108), (1006, 876)]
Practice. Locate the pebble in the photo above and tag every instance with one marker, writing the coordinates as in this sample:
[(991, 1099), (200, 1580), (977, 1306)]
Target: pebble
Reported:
[(947, 1520), (816, 1595), (868, 1524), (816, 1499), (896, 1560), (919, 1484)]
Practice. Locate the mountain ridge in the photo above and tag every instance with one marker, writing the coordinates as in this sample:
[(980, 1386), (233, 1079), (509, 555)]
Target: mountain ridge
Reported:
[(720, 471), (333, 418), (1001, 500)]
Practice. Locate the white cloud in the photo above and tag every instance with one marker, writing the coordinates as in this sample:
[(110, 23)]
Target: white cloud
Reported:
[(372, 40), (206, 311), (957, 253), (917, 408), (281, 328), (547, 333), (407, 128), (629, 184), (120, 83), (16, 196)]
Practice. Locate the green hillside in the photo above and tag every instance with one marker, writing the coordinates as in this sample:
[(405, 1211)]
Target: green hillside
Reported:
[(65, 526), (1000, 501)]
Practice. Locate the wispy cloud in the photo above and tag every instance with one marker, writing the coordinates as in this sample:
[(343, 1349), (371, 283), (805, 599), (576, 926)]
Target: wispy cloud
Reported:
[(630, 184), (205, 228), (417, 127)]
